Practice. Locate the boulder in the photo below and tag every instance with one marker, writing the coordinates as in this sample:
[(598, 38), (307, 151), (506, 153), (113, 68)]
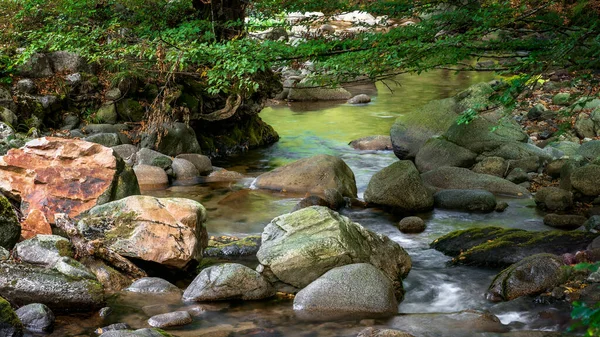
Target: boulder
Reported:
[(38, 65), (10, 325), (92, 129), (106, 139), (107, 114), (23, 284), (478, 136), (168, 231), (445, 178), (373, 332), (554, 199), (494, 166), (220, 174), (593, 223), (44, 250), (499, 247), (55, 175), (311, 175), (8, 117), (36, 317), (202, 162), (110, 278), (372, 143), (130, 110), (302, 92), (566, 147), (465, 200), (399, 187), (562, 98), (586, 180), (409, 133), (26, 86), (6, 100), (151, 177), (171, 319), (177, 138), (64, 61), (530, 276), (4, 254), (438, 152), (153, 285), (589, 150), (455, 324), (584, 126), (10, 229), (126, 152), (564, 221), (517, 176), (554, 167), (153, 158), (299, 247), (229, 281), (411, 224), (112, 94), (360, 99), (355, 289), (184, 171), (73, 268)]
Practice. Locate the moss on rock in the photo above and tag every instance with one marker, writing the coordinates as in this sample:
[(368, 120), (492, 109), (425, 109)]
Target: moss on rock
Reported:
[(499, 247)]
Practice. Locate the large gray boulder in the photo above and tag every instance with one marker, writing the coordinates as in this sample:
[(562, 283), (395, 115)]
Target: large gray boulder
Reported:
[(494, 166), (483, 134), (36, 317), (23, 284), (460, 178), (438, 152), (10, 325), (465, 200), (586, 180), (299, 247), (589, 150), (202, 163), (313, 175), (228, 281), (71, 62), (44, 250), (355, 289), (399, 186), (153, 158), (153, 285), (184, 171), (530, 276), (409, 133), (10, 229), (554, 199), (177, 138)]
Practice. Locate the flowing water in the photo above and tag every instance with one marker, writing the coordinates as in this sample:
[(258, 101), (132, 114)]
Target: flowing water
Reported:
[(435, 291)]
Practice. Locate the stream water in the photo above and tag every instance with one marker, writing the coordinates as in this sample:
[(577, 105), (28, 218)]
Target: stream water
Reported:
[(434, 290)]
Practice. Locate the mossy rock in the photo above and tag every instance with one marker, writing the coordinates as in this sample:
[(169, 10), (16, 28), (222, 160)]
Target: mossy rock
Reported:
[(229, 247), (10, 229), (499, 247), (130, 110), (530, 276), (126, 183), (10, 325)]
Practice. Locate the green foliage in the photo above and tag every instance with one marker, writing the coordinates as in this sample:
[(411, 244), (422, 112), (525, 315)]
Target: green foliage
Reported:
[(587, 318)]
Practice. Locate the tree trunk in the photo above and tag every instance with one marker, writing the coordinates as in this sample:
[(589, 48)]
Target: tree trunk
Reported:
[(227, 16)]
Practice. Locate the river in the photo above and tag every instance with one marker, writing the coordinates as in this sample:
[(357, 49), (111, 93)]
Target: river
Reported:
[(433, 288)]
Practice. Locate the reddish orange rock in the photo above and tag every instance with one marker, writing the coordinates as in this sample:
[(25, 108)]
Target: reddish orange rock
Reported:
[(56, 175)]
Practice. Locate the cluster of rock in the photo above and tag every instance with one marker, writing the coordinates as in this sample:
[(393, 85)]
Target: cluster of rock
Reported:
[(114, 115)]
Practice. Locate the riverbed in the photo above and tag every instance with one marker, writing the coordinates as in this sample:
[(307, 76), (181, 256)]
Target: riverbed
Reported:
[(434, 290)]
